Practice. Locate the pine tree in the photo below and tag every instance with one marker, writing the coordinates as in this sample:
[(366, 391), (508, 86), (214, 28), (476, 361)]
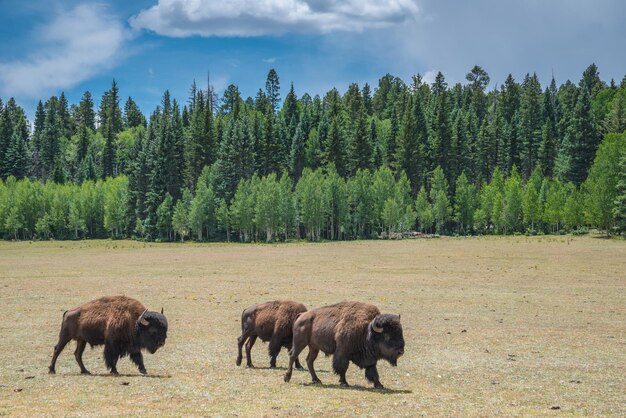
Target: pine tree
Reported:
[(408, 153), (85, 114), (17, 158), (441, 132), (581, 141), (110, 125), (297, 155), (530, 123), (132, 115), (549, 133), (272, 90), (236, 158)]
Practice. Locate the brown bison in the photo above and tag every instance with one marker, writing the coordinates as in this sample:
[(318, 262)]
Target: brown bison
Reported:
[(351, 331), (123, 325), (269, 321)]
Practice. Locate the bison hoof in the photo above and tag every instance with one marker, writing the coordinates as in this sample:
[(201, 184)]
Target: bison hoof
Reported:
[(238, 362), (85, 372), (344, 384), (250, 365), (316, 382), (114, 373), (143, 371), (287, 378), (272, 366), (378, 386), (51, 371), (300, 368)]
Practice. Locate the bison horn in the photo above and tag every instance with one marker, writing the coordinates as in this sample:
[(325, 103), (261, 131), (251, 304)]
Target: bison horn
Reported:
[(161, 310), (144, 322), (376, 328)]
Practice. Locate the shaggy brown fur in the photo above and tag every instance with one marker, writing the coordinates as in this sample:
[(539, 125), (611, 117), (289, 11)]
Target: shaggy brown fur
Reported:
[(351, 331), (114, 322), (269, 321)]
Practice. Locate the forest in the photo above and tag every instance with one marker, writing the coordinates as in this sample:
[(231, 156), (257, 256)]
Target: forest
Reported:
[(369, 163)]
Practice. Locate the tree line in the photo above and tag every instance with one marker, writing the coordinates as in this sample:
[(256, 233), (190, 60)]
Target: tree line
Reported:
[(364, 164)]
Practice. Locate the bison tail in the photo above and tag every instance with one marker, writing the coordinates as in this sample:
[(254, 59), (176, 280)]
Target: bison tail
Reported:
[(243, 313)]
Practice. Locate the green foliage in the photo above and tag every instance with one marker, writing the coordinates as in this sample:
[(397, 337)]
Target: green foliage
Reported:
[(601, 187), (619, 208), (450, 150), (424, 211)]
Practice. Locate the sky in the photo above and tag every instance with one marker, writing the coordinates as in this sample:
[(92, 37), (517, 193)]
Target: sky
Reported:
[(53, 46)]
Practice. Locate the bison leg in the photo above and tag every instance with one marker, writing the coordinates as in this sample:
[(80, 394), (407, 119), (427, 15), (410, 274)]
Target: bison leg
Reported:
[(297, 363), (299, 342), (372, 375), (111, 355), (310, 359), (274, 349), (137, 358), (78, 354), (340, 366), (241, 340), (249, 345), (64, 338)]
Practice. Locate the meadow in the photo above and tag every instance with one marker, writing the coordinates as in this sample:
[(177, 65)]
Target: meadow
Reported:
[(494, 326)]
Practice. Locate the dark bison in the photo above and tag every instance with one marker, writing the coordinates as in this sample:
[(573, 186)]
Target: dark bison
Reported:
[(269, 321), (123, 325), (351, 331)]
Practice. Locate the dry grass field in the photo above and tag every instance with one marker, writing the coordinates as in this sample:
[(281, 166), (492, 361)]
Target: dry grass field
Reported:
[(493, 326)]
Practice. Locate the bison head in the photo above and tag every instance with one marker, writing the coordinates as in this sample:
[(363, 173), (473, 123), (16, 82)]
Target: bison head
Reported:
[(152, 331), (386, 335)]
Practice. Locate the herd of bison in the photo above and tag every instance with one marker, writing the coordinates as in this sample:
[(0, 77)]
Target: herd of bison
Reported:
[(350, 331)]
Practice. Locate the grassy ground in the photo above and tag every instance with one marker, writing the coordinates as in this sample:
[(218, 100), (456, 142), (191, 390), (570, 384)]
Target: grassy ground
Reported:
[(493, 326)]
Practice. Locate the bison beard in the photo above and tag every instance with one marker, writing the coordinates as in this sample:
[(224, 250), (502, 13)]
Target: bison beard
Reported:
[(270, 321), (351, 331), (123, 325)]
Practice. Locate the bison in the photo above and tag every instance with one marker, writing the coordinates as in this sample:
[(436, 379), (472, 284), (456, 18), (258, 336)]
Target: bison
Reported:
[(351, 331), (123, 325), (269, 321)]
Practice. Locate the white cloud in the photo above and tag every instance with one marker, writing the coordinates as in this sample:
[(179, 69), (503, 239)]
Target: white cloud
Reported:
[(181, 18), (429, 76), (73, 47)]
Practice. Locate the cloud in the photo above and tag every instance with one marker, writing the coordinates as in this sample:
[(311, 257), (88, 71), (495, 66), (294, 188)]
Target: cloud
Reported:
[(73, 47), (182, 18)]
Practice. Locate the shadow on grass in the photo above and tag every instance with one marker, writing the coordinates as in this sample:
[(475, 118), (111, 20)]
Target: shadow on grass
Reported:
[(143, 376), (385, 391), (282, 368)]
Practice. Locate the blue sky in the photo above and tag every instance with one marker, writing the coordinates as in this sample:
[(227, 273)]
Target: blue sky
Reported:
[(151, 45)]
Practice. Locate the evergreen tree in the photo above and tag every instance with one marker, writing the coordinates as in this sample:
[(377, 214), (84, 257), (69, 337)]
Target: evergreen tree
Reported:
[(111, 124), (297, 155), (236, 158), (272, 90), (549, 133), (441, 132), (132, 115), (530, 123), (411, 144), (581, 141)]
